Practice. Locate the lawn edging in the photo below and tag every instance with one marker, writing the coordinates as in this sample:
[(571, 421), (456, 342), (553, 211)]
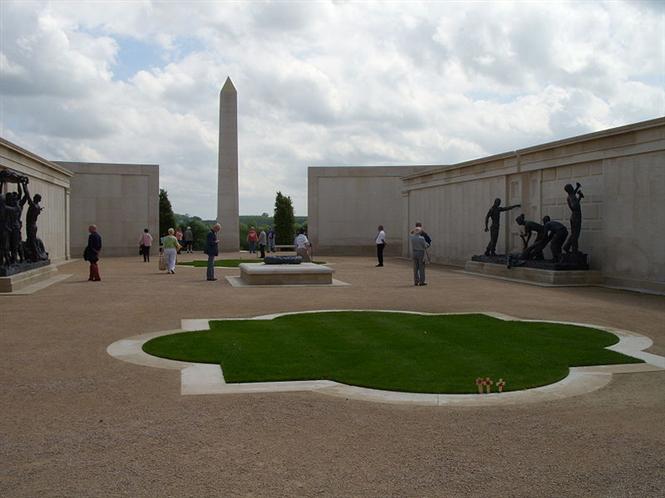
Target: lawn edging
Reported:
[(198, 378)]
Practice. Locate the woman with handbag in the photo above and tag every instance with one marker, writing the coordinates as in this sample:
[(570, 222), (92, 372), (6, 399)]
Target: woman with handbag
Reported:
[(171, 247)]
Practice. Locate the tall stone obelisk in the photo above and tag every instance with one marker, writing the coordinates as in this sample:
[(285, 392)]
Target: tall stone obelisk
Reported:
[(227, 183)]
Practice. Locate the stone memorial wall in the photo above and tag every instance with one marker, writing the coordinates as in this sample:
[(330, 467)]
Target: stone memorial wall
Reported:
[(621, 170)]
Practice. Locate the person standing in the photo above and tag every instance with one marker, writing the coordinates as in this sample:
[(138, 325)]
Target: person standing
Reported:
[(301, 244), (189, 240), (171, 246), (380, 244), (263, 240), (418, 247), (145, 242), (212, 250), (252, 237), (91, 253), (425, 235), (271, 240), (178, 237)]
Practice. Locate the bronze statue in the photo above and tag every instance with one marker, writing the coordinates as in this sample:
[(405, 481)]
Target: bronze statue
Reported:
[(494, 213), (575, 195), (556, 233), (535, 251), (17, 255), (34, 247)]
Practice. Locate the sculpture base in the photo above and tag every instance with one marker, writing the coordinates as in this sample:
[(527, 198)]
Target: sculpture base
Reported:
[(302, 274), (6, 271), (569, 262), (537, 276), (25, 278)]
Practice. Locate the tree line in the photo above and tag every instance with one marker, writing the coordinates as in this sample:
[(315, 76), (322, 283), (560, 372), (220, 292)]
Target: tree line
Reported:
[(283, 221)]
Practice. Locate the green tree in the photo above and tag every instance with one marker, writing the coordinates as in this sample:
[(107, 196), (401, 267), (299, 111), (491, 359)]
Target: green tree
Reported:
[(284, 220), (166, 216)]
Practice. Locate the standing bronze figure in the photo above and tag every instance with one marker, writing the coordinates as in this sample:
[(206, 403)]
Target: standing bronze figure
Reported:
[(494, 214), (575, 195)]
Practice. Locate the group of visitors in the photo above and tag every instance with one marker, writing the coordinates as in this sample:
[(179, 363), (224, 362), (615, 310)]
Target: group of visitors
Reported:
[(171, 245), (265, 241), (419, 240)]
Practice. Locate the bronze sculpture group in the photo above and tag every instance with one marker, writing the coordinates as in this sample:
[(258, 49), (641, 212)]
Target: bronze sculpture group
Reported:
[(563, 245), (15, 253)]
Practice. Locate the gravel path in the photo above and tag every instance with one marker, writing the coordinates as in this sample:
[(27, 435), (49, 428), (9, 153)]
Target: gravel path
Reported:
[(77, 422)]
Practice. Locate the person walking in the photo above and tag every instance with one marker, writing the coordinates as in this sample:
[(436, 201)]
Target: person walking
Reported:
[(418, 247), (189, 240), (380, 244), (178, 237), (301, 244), (252, 238), (171, 246), (145, 241), (212, 250), (263, 240), (91, 253)]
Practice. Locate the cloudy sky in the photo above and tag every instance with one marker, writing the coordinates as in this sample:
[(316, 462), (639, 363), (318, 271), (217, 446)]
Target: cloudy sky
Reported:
[(319, 83)]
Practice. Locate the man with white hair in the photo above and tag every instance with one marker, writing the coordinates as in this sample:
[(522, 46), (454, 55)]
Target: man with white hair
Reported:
[(418, 247)]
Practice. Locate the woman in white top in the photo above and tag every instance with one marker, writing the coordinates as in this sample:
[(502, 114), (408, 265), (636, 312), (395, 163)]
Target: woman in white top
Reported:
[(302, 246), (380, 244)]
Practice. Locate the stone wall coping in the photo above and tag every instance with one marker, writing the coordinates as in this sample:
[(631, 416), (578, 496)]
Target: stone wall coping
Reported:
[(35, 157), (643, 125)]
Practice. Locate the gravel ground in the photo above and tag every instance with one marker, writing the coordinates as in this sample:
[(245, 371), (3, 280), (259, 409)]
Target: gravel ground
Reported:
[(77, 422)]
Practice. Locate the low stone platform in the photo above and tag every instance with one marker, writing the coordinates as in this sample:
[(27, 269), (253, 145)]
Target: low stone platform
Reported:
[(536, 276), (8, 271), (21, 280), (302, 274)]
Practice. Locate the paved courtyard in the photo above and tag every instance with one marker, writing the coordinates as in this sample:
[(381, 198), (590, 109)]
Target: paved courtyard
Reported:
[(78, 422)]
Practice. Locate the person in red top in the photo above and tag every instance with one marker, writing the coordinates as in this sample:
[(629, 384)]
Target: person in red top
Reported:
[(252, 238)]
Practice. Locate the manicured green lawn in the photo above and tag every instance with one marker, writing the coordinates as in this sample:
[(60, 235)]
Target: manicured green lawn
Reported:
[(229, 263), (393, 351)]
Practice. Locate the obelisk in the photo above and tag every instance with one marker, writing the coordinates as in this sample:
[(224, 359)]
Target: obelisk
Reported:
[(227, 183)]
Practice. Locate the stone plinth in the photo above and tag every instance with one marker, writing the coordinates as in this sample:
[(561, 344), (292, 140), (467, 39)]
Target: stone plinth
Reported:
[(8, 271), (535, 275), (23, 279), (302, 274)]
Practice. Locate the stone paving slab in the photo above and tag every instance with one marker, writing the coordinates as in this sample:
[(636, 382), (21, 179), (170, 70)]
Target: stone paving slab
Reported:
[(77, 422)]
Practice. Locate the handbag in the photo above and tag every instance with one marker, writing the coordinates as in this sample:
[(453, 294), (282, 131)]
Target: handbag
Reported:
[(162, 262), (141, 249)]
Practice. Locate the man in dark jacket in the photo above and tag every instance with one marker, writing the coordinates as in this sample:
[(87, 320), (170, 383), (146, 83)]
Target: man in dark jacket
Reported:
[(92, 251), (212, 249)]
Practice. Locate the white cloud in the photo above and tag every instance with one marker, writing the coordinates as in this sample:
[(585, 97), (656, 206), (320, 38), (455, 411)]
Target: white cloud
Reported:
[(319, 83)]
